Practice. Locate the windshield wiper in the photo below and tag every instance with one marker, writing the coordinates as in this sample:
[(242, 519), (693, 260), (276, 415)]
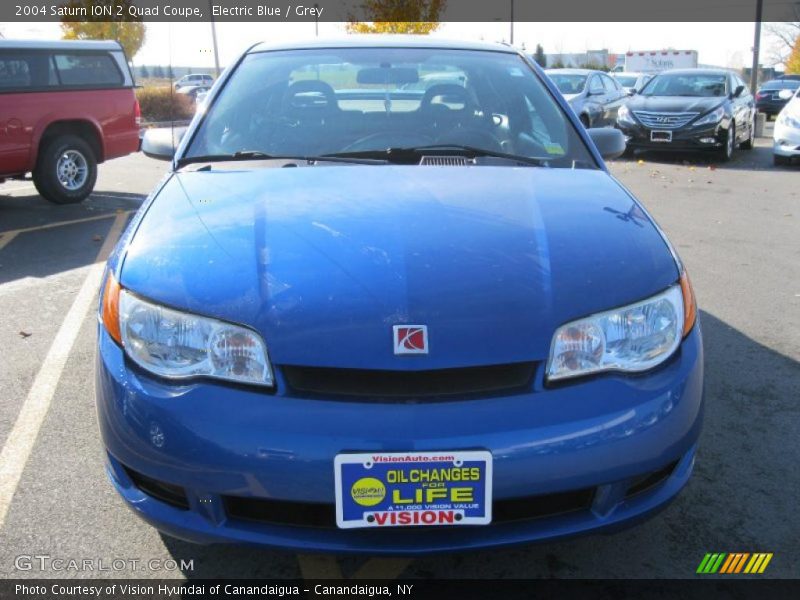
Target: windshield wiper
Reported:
[(412, 154), (258, 155)]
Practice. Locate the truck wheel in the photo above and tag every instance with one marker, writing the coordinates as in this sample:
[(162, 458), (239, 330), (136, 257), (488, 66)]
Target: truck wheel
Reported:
[(66, 170)]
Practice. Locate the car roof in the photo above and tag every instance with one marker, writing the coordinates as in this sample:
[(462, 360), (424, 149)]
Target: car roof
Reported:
[(59, 45), (573, 71), (628, 73), (383, 41), (695, 72)]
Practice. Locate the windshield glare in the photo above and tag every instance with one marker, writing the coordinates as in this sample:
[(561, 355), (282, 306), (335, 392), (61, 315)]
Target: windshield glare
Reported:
[(687, 85), (626, 80), (568, 84), (316, 102)]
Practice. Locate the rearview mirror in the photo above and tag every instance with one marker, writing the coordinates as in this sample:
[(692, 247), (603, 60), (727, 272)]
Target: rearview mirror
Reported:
[(160, 143), (610, 142), (386, 75)]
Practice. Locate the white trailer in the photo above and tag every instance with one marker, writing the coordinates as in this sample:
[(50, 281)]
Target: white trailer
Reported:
[(660, 60)]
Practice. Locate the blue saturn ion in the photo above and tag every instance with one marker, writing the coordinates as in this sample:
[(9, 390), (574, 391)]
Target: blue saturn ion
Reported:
[(390, 283)]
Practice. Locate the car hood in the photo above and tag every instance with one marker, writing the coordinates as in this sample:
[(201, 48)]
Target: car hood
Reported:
[(674, 103), (324, 260)]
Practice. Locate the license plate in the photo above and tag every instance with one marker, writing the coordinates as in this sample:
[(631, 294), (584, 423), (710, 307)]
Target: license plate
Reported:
[(660, 136), (413, 489)]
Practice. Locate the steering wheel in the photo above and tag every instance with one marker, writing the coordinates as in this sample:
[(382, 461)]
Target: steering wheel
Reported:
[(388, 139)]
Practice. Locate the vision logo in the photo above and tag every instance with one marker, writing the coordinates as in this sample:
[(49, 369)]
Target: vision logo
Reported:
[(737, 562)]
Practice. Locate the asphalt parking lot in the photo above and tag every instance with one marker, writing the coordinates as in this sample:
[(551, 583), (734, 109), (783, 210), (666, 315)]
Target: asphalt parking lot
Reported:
[(737, 228)]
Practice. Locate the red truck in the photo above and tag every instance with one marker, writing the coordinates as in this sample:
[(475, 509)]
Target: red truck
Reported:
[(64, 108)]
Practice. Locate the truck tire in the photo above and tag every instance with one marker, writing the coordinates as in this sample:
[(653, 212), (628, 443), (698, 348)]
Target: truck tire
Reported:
[(66, 170)]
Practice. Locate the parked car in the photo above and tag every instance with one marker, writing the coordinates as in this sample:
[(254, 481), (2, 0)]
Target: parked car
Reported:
[(194, 79), (193, 90), (64, 108), (786, 136), (594, 96), (632, 82), (320, 310), (691, 109), (773, 95)]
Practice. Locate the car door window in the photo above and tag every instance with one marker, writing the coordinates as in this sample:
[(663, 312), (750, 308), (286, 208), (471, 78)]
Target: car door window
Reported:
[(610, 85), (596, 86)]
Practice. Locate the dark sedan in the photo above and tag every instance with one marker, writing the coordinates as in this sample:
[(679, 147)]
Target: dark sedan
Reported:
[(594, 96), (774, 95), (691, 109)]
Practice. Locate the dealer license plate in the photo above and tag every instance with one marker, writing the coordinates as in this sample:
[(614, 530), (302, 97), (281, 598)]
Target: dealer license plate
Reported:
[(413, 489), (660, 136)]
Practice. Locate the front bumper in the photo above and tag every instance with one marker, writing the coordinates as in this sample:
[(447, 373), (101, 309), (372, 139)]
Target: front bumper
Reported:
[(786, 141), (711, 137), (218, 441)]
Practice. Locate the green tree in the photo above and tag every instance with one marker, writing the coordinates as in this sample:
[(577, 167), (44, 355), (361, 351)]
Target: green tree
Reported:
[(158, 72), (793, 62), (397, 16), (539, 56), (144, 71), (127, 30)]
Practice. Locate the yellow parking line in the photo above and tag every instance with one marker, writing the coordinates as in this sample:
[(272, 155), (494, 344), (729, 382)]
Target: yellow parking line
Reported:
[(319, 566), (6, 237)]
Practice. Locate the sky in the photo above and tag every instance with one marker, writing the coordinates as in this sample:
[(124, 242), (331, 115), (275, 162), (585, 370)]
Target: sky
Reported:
[(189, 44)]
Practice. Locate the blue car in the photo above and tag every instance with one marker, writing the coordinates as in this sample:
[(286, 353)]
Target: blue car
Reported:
[(343, 315)]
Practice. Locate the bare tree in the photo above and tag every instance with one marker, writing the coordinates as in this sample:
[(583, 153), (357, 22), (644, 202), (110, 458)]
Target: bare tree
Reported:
[(783, 37)]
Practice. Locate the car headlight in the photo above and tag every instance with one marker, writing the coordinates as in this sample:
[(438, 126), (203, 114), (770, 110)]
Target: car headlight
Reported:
[(624, 116), (632, 338), (787, 121), (715, 116), (180, 345)]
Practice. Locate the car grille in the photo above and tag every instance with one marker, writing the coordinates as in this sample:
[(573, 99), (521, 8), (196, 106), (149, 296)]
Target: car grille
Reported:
[(319, 515), (664, 120), (380, 385)]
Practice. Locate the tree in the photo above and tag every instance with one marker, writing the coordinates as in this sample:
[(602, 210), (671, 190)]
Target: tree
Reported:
[(397, 16), (158, 72), (539, 56), (793, 62), (127, 30), (144, 71), (784, 36)]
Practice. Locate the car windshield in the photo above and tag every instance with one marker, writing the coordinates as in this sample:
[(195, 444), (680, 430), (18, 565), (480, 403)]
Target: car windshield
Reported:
[(685, 84), (568, 83), (626, 80), (312, 103), (784, 84)]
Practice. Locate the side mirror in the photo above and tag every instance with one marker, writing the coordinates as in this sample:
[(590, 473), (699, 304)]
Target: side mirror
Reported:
[(610, 142), (160, 143), (738, 91)]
